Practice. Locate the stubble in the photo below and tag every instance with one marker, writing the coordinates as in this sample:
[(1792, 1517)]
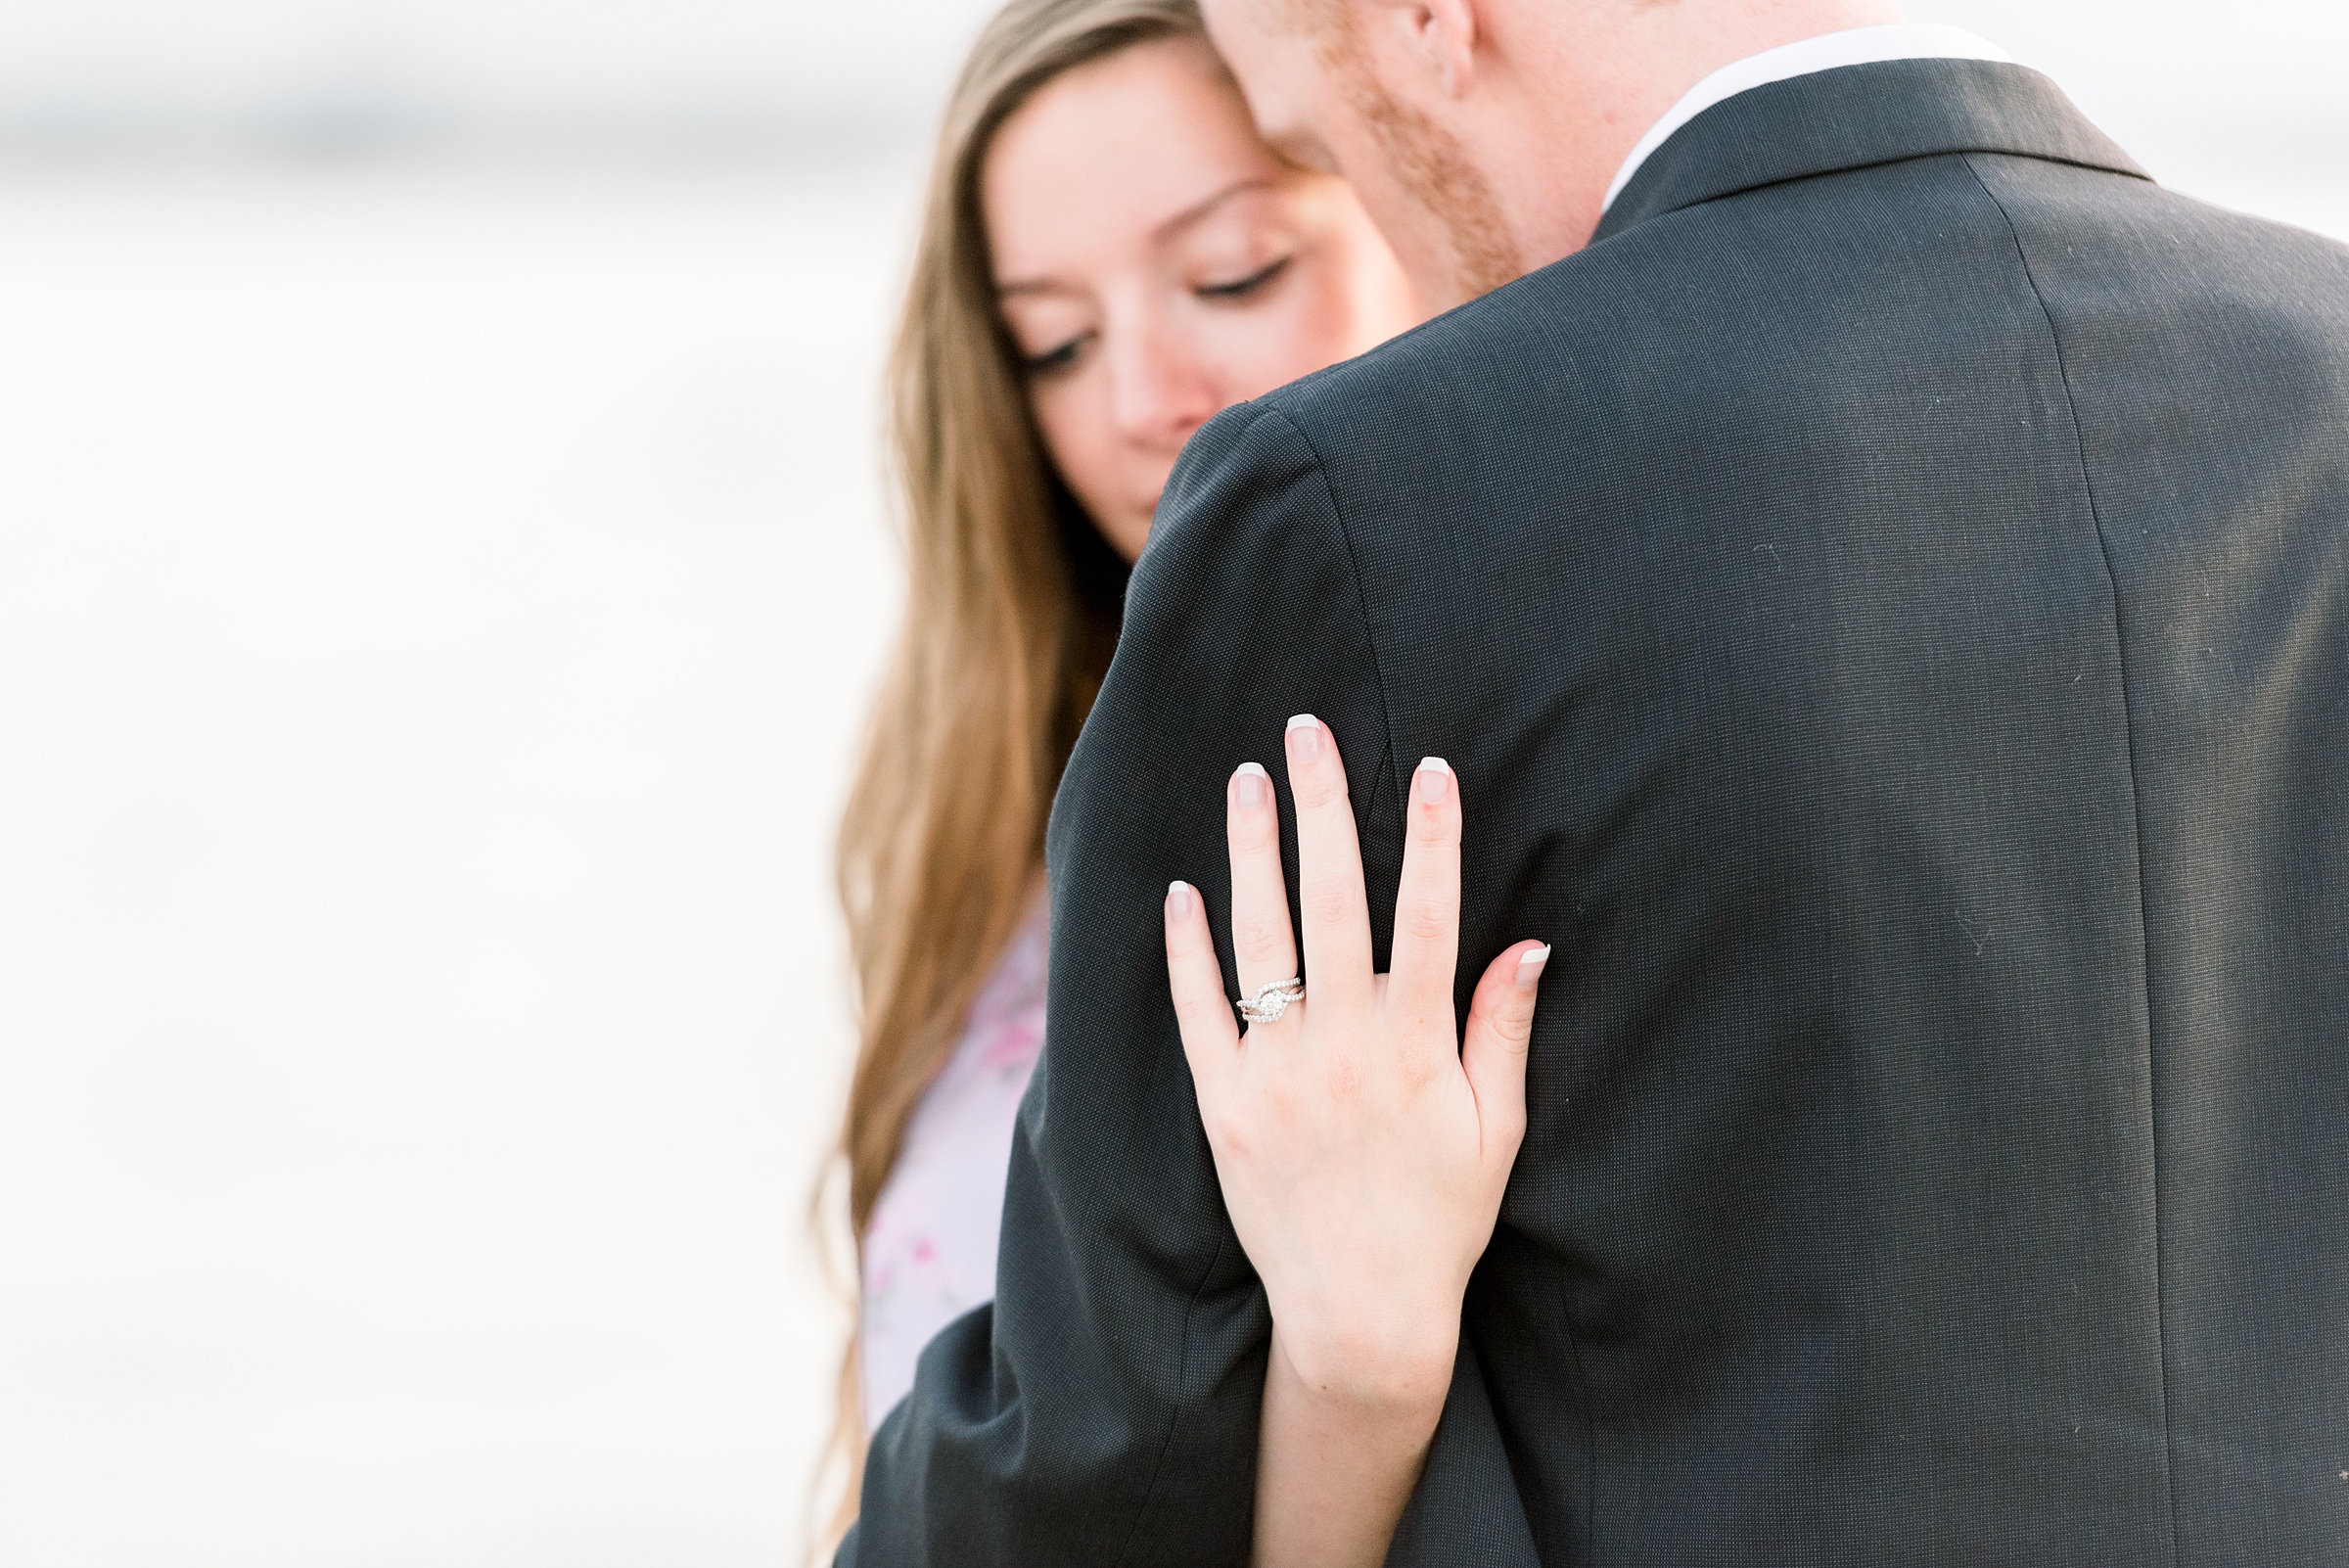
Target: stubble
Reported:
[(1425, 158)]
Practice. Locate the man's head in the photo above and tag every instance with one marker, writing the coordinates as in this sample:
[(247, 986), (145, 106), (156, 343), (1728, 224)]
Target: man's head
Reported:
[(1481, 135)]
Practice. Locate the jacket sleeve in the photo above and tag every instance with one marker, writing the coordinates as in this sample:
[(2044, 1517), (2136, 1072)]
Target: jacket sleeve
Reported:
[(1104, 1409)]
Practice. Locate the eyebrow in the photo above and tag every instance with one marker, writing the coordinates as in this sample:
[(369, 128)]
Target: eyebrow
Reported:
[(1173, 226)]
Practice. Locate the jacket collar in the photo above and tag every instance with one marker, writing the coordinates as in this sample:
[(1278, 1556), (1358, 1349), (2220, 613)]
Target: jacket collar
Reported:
[(1856, 116)]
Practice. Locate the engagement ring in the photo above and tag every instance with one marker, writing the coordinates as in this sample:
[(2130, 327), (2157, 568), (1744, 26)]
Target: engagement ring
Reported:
[(1272, 1001)]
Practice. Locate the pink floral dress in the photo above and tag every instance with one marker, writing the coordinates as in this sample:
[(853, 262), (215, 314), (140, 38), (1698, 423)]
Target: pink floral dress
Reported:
[(930, 1249)]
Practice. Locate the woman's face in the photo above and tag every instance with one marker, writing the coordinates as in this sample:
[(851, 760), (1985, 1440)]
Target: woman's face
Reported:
[(1156, 264)]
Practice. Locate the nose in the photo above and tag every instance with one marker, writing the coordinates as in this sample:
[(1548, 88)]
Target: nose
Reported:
[(1161, 388)]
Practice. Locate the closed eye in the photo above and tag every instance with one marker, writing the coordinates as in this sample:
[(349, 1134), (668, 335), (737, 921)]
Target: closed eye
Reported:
[(1054, 360), (1242, 288)]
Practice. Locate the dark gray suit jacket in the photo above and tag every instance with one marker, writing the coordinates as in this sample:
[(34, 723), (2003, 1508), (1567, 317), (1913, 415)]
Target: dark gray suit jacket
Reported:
[(1887, 603)]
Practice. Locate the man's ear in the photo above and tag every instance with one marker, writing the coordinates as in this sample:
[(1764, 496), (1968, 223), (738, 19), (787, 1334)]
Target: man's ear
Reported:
[(1427, 40), (1438, 39)]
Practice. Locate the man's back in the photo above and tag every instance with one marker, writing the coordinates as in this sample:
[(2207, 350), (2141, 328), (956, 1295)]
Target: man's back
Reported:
[(1887, 603), (1893, 631)]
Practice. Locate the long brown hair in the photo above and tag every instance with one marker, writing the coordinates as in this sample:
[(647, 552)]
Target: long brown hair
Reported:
[(1010, 618)]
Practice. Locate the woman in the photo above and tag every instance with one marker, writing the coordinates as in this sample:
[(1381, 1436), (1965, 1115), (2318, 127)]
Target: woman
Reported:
[(1110, 257)]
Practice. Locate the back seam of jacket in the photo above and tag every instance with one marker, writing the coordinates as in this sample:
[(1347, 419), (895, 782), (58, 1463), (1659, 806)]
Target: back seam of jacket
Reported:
[(1174, 1423), (2161, 1280), (1370, 643), (1387, 768), (1362, 602)]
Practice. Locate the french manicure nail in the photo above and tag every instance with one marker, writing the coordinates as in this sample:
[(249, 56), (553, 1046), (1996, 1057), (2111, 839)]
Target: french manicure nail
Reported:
[(1530, 967), (1304, 735), (1254, 786), (1435, 778), (1178, 901)]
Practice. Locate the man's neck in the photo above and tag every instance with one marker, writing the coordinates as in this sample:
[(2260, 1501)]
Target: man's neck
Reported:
[(1592, 79)]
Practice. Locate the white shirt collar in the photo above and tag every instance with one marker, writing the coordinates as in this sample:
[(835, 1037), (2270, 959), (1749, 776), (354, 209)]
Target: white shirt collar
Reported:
[(1860, 46)]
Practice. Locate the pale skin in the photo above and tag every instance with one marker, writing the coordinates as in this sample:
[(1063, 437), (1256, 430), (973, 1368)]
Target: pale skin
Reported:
[(1362, 1141), (1156, 264)]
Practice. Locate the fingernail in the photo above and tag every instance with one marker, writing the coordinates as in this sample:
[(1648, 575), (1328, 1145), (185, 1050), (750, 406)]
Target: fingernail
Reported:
[(1253, 786), (1530, 967), (1435, 778), (1178, 902), (1305, 736)]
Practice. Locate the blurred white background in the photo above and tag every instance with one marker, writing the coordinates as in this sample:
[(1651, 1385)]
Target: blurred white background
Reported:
[(442, 564)]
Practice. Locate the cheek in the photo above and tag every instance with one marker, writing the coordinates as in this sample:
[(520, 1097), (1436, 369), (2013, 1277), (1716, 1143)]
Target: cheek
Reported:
[(1311, 326), (1392, 203), (1093, 461), (1073, 417)]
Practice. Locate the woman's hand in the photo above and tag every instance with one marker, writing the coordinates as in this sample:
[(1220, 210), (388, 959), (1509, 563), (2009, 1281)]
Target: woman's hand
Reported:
[(1361, 1145)]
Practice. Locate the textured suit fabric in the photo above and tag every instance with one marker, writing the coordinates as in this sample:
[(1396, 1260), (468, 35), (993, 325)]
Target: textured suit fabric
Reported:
[(1888, 604)]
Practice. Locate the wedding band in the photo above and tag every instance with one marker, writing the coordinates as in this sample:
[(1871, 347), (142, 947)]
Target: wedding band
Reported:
[(1270, 1002)]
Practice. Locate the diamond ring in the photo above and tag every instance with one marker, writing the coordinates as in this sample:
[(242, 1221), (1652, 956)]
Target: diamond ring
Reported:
[(1272, 1001)]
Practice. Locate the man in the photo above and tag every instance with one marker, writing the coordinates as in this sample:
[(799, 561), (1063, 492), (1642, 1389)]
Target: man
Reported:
[(1881, 577)]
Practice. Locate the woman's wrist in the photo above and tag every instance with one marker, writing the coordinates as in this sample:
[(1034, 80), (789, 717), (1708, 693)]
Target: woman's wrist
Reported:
[(1357, 1374), (1336, 1462)]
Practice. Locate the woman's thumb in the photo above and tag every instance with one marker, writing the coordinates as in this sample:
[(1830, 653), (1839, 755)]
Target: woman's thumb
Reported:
[(1500, 1027)]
